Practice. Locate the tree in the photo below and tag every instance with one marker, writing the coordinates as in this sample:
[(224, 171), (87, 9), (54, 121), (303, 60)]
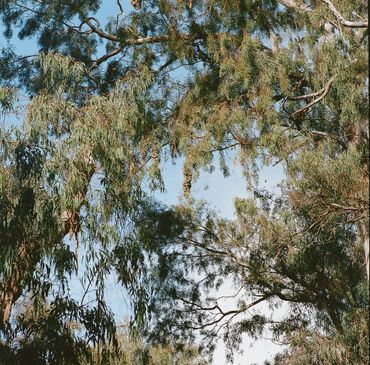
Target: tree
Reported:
[(133, 350), (319, 274), (276, 81)]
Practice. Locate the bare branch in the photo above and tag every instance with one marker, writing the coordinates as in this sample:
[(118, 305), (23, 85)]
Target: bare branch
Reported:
[(230, 296), (156, 39), (120, 8), (322, 93), (223, 148), (340, 18), (135, 42), (107, 56), (348, 208), (232, 313), (291, 4), (97, 30), (200, 307), (215, 251), (307, 96)]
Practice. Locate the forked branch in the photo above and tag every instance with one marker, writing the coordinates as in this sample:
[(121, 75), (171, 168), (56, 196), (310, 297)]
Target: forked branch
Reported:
[(220, 313), (291, 4), (340, 17), (320, 95)]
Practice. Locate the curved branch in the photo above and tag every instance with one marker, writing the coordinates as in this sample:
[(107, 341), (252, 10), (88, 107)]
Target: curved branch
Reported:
[(322, 93), (97, 30), (137, 42), (340, 18), (291, 4)]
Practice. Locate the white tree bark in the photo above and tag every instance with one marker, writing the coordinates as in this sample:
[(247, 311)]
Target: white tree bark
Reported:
[(363, 228)]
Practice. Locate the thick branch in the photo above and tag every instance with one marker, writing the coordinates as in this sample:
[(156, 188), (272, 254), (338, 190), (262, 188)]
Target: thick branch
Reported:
[(340, 18), (363, 234), (291, 4)]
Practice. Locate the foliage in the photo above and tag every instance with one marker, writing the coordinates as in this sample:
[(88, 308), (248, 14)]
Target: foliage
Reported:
[(268, 258), (97, 109), (132, 350)]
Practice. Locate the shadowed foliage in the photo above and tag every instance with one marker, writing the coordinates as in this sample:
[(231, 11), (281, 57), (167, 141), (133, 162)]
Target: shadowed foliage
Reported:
[(95, 107)]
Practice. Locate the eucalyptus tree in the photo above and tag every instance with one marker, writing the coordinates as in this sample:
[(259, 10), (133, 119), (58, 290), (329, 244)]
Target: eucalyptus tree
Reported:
[(271, 259), (97, 108)]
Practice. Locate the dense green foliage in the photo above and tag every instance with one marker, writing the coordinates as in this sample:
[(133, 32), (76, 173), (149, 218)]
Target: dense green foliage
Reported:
[(93, 113)]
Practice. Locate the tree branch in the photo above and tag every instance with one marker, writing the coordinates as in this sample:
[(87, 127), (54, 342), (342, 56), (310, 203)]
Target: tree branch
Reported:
[(322, 93), (135, 42), (31, 10), (214, 251), (97, 30), (232, 313), (291, 4), (107, 56), (340, 18)]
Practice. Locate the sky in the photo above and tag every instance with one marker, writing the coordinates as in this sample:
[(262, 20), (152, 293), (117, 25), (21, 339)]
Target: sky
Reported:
[(219, 192)]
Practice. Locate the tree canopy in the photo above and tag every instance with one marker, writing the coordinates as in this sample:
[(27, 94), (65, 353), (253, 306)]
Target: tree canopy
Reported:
[(92, 114)]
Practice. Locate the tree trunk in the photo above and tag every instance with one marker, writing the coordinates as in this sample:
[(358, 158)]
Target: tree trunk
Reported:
[(363, 228), (7, 305), (9, 296), (12, 289), (28, 255)]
